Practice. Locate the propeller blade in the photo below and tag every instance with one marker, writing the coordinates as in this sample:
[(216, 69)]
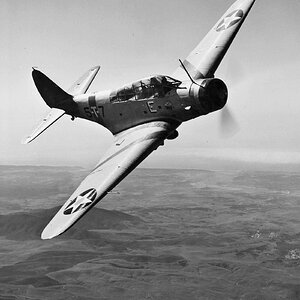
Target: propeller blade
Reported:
[(228, 124)]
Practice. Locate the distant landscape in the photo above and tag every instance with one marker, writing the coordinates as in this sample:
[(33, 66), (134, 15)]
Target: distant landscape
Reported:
[(163, 234)]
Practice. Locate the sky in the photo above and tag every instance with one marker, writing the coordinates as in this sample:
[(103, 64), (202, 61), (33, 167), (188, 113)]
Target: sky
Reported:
[(131, 39)]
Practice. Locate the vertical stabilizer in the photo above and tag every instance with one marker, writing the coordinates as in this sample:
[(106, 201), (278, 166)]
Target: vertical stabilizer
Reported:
[(53, 95), (57, 99)]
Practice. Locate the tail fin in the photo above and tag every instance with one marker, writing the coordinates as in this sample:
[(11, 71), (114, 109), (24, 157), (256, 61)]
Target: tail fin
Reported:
[(57, 99), (204, 60), (54, 96)]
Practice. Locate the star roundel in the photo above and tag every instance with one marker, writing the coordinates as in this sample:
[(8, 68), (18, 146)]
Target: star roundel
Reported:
[(230, 20), (80, 202)]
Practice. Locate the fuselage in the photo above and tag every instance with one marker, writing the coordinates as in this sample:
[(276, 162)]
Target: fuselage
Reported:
[(151, 99)]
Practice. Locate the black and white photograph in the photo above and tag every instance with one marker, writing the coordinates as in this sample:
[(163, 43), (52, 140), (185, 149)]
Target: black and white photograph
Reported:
[(150, 150)]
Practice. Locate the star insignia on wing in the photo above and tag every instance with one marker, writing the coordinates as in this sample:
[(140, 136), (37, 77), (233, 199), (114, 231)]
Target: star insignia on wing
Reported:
[(80, 202), (230, 20)]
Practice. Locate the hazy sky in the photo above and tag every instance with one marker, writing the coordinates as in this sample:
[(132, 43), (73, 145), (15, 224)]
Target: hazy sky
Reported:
[(131, 39)]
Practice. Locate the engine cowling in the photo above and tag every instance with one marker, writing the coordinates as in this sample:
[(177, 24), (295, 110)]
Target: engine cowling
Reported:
[(212, 94)]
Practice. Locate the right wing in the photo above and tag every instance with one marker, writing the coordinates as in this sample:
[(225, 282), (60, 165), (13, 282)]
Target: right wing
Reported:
[(129, 149), (203, 61)]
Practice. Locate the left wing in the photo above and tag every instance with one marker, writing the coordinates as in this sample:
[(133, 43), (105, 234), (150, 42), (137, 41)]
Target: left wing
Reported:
[(129, 149)]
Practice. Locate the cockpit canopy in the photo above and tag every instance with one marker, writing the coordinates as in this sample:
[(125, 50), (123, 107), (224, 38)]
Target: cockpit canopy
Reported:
[(152, 87)]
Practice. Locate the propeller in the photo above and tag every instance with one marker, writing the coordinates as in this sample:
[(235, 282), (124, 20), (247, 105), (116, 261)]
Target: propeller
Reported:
[(228, 124), (233, 74)]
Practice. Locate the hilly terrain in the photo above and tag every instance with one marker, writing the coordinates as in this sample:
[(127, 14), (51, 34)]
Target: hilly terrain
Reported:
[(162, 234)]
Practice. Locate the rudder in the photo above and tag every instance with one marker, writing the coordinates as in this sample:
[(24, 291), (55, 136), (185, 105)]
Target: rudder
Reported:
[(53, 95)]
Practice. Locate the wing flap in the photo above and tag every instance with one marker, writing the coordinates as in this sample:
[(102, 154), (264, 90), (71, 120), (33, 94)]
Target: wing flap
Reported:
[(52, 116), (130, 148), (203, 61)]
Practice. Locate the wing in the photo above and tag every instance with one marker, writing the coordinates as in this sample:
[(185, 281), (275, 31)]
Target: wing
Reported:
[(203, 61), (129, 149), (52, 116)]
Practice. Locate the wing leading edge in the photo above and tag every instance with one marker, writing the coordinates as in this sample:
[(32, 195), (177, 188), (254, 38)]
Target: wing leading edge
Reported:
[(129, 149)]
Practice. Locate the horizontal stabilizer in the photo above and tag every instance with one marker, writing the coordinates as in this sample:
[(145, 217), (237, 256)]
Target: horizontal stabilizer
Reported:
[(47, 121), (57, 99), (83, 83)]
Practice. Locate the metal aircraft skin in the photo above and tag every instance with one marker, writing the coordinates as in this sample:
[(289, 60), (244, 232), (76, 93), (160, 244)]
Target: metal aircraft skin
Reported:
[(140, 115)]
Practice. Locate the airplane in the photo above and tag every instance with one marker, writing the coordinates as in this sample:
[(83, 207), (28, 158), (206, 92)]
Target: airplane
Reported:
[(140, 115)]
